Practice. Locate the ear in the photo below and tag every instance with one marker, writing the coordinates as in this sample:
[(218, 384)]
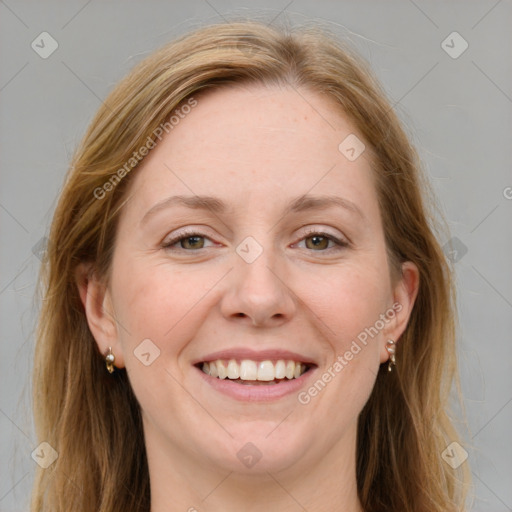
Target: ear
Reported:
[(404, 295), (97, 302)]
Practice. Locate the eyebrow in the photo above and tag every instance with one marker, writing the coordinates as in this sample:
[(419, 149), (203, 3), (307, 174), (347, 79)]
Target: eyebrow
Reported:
[(300, 204)]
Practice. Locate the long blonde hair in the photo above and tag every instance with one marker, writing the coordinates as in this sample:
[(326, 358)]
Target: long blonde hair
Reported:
[(92, 419)]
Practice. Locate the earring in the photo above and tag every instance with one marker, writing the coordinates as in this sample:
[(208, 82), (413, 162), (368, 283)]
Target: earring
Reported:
[(109, 360), (391, 348)]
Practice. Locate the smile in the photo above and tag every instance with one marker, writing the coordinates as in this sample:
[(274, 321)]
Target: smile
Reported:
[(251, 372), (250, 375)]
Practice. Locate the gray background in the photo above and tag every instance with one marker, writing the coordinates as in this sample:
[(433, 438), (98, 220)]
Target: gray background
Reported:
[(457, 111)]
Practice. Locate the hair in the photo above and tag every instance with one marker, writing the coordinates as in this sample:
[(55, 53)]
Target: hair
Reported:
[(92, 418)]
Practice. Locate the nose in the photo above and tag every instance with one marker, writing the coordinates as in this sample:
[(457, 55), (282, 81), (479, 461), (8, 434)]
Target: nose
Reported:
[(258, 293)]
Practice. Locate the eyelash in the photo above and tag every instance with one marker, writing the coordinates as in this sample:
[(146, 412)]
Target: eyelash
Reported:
[(342, 244)]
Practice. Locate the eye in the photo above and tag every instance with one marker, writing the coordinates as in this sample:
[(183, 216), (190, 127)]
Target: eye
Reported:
[(319, 241), (315, 240), (186, 240)]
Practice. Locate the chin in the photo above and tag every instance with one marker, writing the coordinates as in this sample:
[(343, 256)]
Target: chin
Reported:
[(260, 448)]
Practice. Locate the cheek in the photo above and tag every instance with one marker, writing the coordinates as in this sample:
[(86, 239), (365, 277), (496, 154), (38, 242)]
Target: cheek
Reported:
[(347, 301), (160, 303), (347, 306), (157, 310)]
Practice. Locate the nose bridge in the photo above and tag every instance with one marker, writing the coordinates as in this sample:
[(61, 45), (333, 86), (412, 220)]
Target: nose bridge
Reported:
[(257, 290)]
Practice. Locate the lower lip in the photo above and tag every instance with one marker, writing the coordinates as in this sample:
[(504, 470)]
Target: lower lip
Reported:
[(257, 393)]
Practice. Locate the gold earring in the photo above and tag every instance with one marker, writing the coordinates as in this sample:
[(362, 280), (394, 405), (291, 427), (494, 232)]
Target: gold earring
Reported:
[(391, 348), (109, 360)]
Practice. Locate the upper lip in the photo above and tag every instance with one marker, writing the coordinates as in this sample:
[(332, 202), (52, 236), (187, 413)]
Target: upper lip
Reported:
[(255, 355)]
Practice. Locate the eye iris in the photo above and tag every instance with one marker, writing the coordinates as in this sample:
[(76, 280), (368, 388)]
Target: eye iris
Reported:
[(194, 244), (319, 242), (312, 242)]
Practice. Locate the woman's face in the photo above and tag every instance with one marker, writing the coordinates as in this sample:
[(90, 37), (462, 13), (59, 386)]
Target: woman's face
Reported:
[(252, 237)]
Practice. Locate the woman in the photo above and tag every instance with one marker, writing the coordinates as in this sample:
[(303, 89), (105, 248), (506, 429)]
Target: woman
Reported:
[(245, 304)]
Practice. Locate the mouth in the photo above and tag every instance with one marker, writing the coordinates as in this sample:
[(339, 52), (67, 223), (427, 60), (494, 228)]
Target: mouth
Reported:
[(255, 373), (257, 376)]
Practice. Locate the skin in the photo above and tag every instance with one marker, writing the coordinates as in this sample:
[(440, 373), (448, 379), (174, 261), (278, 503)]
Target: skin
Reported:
[(255, 148)]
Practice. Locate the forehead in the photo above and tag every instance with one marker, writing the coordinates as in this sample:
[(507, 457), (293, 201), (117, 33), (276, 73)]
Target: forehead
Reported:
[(261, 142)]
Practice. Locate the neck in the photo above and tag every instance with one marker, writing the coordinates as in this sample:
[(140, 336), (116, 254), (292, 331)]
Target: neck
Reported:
[(181, 483)]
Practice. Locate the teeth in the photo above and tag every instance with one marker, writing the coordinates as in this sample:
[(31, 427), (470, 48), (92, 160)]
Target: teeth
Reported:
[(247, 370), (290, 370), (280, 369), (233, 370), (222, 370), (266, 371)]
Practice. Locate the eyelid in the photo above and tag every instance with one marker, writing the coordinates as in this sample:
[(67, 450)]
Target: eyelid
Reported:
[(321, 231), (184, 233), (340, 242)]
